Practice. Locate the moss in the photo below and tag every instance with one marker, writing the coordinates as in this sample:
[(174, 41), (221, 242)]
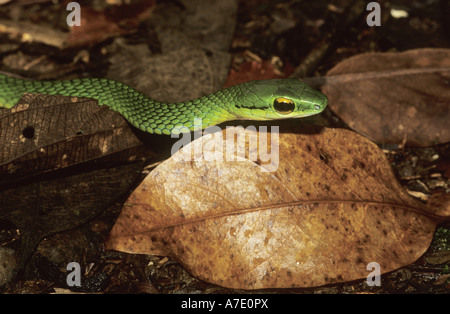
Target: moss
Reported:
[(441, 240)]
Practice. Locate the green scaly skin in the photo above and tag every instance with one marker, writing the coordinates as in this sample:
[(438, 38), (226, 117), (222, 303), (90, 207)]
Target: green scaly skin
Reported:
[(250, 101)]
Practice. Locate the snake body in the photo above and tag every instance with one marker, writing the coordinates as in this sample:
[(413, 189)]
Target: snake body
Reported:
[(255, 100)]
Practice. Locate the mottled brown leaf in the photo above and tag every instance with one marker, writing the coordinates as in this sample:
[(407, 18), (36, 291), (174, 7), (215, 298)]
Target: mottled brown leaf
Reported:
[(330, 206), (395, 96)]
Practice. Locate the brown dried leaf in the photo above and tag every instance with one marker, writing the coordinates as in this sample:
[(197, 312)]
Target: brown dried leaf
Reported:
[(62, 201), (390, 97), (97, 26), (62, 161), (331, 207), (46, 133)]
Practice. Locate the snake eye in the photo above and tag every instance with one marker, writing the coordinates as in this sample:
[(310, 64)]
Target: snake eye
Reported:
[(283, 105)]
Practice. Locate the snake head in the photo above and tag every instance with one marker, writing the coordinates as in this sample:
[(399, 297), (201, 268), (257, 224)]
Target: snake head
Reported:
[(277, 99)]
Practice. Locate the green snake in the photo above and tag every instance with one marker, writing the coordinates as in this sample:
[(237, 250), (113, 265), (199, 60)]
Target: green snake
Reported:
[(255, 100)]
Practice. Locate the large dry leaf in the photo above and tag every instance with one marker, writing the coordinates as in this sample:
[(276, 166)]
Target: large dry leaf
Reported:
[(330, 206), (391, 97), (56, 164)]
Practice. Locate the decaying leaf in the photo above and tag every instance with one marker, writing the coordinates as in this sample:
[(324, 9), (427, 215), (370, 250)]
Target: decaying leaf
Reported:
[(63, 160), (96, 26), (63, 201), (318, 214), (392, 97), (46, 133)]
